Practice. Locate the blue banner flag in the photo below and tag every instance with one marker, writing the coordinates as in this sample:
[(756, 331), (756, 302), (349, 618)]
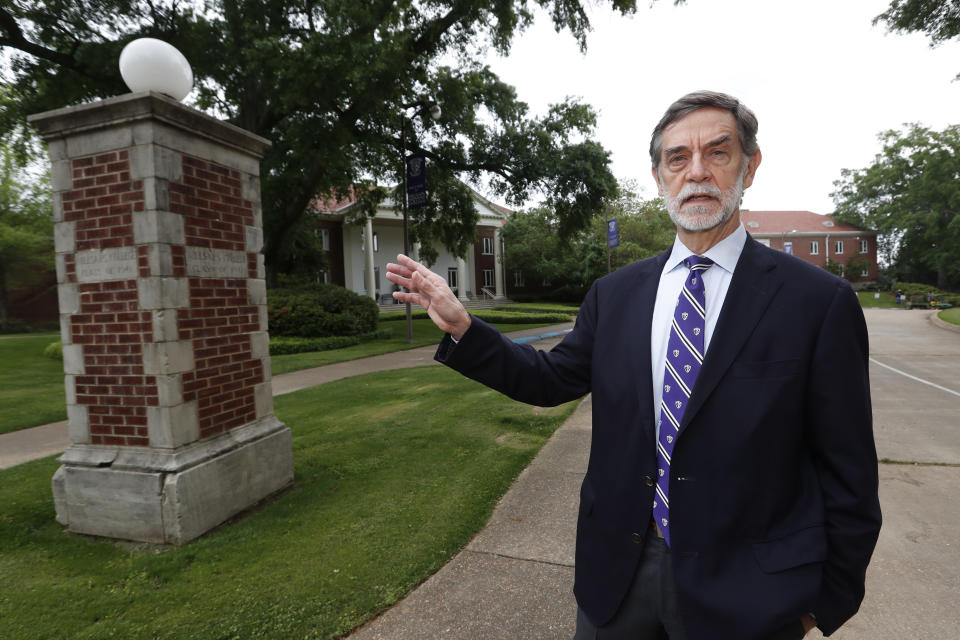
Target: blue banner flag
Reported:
[(613, 236), (416, 181)]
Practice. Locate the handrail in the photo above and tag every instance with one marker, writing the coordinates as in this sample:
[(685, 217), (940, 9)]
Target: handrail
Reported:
[(486, 292)]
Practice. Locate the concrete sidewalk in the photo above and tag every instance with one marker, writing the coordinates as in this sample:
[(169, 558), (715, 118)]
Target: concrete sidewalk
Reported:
[(25, 445)]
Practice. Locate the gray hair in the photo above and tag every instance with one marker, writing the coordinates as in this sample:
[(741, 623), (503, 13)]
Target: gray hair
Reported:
[(746, 121)]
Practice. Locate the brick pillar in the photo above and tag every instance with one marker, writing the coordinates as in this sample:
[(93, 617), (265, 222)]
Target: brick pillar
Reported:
[(163, 320)]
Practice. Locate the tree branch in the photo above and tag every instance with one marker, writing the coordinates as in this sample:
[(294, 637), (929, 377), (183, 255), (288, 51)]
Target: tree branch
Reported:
[(13, 37)]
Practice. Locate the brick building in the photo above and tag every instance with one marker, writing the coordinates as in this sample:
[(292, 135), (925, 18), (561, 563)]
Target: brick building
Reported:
[(816, 238)]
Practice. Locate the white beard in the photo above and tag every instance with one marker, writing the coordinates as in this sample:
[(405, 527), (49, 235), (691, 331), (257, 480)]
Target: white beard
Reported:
[(705, 216)]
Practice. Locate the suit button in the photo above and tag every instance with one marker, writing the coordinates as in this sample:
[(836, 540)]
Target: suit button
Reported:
[(647, 480), (637, 538)]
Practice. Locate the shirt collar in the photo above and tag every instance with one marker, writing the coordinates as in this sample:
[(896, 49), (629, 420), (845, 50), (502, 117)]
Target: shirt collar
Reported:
[(725, 253)]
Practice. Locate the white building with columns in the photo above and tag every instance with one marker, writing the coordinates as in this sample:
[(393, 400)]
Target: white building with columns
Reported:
[(358, 254)]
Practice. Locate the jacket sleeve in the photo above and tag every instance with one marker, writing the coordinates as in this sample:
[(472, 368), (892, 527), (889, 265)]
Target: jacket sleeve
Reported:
[(543, 378), (840, 432)]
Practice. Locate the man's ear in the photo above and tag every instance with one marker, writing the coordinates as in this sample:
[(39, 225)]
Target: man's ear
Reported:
[(752, 169), (656, 178)]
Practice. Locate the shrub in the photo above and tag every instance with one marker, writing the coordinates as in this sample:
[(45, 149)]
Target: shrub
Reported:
[(54, 351), (320, 311)]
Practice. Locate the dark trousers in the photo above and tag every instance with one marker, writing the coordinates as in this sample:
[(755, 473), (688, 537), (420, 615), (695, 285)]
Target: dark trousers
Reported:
[(649, 612)]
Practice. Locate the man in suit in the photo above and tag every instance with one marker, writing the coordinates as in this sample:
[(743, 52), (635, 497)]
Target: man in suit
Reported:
[(731, 490)]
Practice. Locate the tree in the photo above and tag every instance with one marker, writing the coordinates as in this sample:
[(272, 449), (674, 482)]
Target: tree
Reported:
[(939, 19), (26, 227), (534, 245), (911, 195), (328, 83)]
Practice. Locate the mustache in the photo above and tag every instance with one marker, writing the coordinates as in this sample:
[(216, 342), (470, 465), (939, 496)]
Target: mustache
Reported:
[(694, 190)]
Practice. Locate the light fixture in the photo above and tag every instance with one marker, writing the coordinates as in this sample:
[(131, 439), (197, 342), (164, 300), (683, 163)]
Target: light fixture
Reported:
[(148, 64)]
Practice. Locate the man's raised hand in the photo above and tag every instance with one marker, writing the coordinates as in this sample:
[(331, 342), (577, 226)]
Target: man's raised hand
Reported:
[(431, 292)]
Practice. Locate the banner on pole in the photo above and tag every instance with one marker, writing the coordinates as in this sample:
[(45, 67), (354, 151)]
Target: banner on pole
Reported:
[(613, 235), (416, 181)]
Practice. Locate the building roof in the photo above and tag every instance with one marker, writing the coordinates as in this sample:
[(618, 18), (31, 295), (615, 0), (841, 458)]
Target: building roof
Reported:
[(339, 205), (777, 222)]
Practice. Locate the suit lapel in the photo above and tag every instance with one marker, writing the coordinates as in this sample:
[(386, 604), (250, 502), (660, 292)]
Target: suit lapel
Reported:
[(755, 282)]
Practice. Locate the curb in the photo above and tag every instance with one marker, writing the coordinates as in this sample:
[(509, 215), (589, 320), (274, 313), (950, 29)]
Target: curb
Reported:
[(943, 324)]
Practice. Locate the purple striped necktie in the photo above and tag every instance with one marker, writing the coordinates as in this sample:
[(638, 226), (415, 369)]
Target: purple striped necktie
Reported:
[(684, 357)]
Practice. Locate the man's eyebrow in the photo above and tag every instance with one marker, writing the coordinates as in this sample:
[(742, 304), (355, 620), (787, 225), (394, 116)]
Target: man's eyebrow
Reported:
[(713, 143), (673, 150), (719, 141)]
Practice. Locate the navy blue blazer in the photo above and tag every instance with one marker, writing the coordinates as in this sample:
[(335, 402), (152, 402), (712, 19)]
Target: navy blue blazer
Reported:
[(774, 507)]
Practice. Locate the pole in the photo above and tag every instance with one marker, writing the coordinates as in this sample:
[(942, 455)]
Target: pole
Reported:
[(403, 197)]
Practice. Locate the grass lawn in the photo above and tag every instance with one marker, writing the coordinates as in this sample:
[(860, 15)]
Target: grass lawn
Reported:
[(867, 299), (31, 385), (950, 315), (395, 471), (424, 333)]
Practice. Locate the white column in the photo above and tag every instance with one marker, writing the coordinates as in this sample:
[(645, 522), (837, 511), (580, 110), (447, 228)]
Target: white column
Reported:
[(499, 289), (368, 260), (462, 284), (415, 251)]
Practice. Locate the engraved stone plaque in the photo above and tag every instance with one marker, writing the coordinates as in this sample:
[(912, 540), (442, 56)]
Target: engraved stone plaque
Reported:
[(216, 263), (107, 264)]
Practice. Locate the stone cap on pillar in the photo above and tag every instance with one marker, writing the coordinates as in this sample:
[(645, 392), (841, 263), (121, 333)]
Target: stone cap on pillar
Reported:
[(131, 107)]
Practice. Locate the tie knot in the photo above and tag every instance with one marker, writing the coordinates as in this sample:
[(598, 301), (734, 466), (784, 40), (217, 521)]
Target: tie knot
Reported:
[(698, 263)]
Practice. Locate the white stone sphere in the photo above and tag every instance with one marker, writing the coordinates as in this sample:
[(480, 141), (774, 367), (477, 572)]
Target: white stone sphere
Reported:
[(148, 64)]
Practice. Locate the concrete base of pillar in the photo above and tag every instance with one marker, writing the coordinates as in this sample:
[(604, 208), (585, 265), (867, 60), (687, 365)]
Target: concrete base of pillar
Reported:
[(171, 496)]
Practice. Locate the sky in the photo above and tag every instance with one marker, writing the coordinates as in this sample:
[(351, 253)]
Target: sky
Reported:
[(822, 80)]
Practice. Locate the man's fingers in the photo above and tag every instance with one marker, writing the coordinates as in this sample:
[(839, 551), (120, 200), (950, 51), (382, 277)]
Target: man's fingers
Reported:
[(413, 265), (404, 296), (397, 278)]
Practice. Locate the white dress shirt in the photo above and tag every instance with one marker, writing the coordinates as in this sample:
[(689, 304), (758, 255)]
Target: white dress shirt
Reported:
[(716, 281)]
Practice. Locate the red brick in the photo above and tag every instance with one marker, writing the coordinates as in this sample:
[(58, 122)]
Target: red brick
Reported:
[(107, 178)]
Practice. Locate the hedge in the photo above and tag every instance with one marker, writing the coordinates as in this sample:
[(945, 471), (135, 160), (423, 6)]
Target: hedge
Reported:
[(918, 289), (281, 345), (320, 311), (539, 307), (512, 317)]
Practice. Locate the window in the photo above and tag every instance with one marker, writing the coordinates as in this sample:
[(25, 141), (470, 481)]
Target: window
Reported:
[(814, 247), (864, 246), (838, 248), (325, 239), (788, 247), (452, 277), (376, 276), (518, 278), (487, 248), (865, 271), (488, 277), (363, 243)]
